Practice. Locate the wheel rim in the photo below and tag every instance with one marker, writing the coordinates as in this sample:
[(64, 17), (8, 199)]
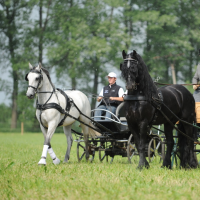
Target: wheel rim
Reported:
[(131, 149), (155, 149), (80, 151), (102, 155)]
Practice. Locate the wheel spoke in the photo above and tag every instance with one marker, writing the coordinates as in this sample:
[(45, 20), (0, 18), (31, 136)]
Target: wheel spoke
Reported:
[(132, 155), (81, 146), (82, 155)]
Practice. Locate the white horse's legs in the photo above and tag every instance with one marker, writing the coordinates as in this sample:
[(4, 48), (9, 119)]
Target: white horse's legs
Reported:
[(47, 138), (45, 148), (44, 155), (67, 131), (56, 161)]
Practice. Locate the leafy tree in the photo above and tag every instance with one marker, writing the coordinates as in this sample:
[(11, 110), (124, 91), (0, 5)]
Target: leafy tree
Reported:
[(11, 23), (86, 38)]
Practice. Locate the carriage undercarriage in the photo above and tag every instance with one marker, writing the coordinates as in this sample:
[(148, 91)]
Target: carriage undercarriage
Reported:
[(118, 143), (121, 143)]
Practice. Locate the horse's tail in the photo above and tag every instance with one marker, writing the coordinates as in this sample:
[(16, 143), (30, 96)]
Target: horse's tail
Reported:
[(92, 132)]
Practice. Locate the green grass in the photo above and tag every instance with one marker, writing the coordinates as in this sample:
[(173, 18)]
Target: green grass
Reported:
[(22, 178)]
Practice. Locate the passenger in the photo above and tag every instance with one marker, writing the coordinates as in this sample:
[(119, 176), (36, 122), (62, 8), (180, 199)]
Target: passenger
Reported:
[(110, 97), (196, 80)]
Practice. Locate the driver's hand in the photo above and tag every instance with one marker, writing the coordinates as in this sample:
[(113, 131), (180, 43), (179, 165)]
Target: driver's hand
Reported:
[(111, 98), (99, 98), (195, 86)]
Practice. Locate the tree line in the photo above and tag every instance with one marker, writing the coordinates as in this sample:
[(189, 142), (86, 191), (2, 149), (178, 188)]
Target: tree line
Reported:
[(81, 39)]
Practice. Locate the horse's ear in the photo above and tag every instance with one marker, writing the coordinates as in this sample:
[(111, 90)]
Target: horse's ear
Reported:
[(123, 54), (134, 52), (30, 66), (39, 67)]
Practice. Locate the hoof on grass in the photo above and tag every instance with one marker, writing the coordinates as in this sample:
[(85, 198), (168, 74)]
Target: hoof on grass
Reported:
[(140, 167), (42, 162), (166, 167), (56, 161), (65, 161)]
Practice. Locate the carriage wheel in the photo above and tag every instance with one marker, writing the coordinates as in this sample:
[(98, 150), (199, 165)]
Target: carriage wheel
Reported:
[(195, 153), (102, 155), (81, 152), (155, 149), (163, 150), (131, 149)]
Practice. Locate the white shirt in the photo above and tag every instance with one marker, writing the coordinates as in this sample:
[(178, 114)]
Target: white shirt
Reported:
[(120, 92)]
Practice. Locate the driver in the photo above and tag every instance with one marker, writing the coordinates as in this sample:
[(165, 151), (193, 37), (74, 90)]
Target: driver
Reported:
[(110, 97)]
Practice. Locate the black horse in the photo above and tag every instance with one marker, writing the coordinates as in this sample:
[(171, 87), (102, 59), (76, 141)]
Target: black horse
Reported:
[(145, 106)]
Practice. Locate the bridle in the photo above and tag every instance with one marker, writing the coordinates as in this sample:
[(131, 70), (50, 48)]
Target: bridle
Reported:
[(39, 82), (134, 85)]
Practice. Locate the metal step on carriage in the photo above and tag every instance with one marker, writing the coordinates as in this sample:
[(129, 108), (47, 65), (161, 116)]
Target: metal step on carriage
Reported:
[(116, 139)]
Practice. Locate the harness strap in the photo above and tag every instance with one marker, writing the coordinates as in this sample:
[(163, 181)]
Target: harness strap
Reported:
[(68, 106), (157, 107), (134, 98), (50, 106), (178, 119), (56, 106)]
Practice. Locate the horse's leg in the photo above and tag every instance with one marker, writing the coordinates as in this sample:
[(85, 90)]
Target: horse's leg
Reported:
[(144, 130), (168, 129), (135, 131), (51, 129), (188, 159), (44, 131), (67, 131), (56, 160)]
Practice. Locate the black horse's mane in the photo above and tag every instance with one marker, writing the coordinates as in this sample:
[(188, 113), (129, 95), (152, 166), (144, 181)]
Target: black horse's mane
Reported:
[(139, 73), (145, 79)]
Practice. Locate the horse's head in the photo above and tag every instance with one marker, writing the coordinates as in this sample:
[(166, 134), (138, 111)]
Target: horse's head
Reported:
[(129, 69), (34, 77)]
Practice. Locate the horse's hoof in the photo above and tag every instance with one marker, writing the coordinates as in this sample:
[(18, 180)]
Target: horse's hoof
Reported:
[(56, 161), (42, 161), (65, 161), (167, 167), (140, 167)]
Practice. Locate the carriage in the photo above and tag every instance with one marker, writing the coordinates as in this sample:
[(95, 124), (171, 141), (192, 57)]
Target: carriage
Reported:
[(116, 139), (58, 108)]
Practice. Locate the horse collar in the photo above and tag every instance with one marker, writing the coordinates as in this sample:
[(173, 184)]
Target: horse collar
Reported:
[(135, 98)]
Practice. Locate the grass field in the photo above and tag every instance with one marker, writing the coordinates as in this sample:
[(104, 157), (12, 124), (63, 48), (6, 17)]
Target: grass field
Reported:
[(22, 178)]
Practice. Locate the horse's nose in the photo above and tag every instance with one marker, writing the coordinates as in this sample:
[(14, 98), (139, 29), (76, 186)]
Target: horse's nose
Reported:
[(30, 96)]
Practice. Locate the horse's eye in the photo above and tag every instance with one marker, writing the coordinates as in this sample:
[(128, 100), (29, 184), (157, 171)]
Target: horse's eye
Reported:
[(37, 79)]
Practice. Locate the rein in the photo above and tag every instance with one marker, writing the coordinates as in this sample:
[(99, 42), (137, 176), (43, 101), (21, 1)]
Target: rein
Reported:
[(174, 84)]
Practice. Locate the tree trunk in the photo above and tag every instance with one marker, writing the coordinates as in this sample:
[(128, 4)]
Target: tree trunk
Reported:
[(40, 46), (14, 100), (15, 85), (73, 83), (95, 86)]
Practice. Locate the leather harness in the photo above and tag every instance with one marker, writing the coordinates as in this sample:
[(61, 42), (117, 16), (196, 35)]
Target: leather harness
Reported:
[(56, 106), (47, 105)]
